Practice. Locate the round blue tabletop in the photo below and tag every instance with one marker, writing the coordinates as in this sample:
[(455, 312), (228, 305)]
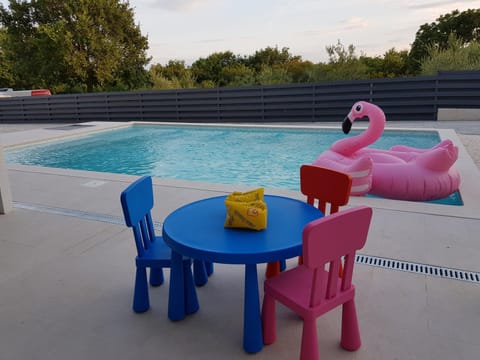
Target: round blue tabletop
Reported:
[(197, 230)]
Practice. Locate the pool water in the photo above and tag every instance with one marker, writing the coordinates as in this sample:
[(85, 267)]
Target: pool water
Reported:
[(254, 156)]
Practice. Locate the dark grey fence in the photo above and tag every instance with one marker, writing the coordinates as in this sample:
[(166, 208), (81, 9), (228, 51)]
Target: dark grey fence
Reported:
[(414, 98)]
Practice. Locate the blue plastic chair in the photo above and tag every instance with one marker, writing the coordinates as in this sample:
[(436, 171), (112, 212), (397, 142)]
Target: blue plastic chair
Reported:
[(152, 252)]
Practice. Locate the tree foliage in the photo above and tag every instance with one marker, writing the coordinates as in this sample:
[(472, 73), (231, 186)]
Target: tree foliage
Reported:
[(456, 56), (464, 25), (274, 75), (265, 66), (74, 45), (237, 75), (272, 66), (392, 64), (343, 64), (173, 75), (6, 74), (211, 68), (94, 45), (270, 57)]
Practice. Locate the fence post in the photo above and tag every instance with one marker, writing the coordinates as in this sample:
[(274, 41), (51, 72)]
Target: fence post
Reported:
[(5, 193)]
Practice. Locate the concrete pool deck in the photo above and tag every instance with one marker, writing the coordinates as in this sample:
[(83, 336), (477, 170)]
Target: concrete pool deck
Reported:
[(67, 271)]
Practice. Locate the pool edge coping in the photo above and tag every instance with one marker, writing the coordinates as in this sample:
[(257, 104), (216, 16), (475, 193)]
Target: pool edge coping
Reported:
[(469, 190)]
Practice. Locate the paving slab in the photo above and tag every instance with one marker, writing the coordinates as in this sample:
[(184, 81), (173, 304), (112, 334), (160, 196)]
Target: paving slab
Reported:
[(67, 273)]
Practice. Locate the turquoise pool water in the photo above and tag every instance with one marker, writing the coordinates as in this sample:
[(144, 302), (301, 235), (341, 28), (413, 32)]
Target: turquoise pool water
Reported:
[(253, 156)]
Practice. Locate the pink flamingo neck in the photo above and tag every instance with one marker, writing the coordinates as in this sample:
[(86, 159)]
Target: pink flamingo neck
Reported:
[(376, 125)]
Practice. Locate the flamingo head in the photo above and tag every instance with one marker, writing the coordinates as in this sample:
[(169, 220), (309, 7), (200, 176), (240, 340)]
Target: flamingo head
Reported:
[(360, 109)]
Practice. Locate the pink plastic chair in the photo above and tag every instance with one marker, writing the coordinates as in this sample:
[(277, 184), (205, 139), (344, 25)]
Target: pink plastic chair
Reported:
[(324, 188), (311, 291)]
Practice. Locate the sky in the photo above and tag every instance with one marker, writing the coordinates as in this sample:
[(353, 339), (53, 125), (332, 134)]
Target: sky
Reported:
[(191, 29)]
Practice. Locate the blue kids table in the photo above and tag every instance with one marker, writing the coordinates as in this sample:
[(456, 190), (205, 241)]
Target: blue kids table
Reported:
[(196, 230)]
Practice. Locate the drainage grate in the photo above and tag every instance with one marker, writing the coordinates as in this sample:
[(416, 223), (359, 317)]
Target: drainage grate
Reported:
[(418, 268)]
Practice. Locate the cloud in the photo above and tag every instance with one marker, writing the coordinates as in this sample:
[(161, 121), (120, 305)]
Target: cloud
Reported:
[(354, 23), (207, 41), (436, 4), (428, 11)]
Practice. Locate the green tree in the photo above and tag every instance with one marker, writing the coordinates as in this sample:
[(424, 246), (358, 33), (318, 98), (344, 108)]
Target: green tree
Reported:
[(6, 75), (343, 64), (270, 57), (456, 56), (298, 70), (173, 69), (274, 75), (465, 25), (392, 64), (274, 66), (210, 69), (238, 75), (160, 82), (173, 75), (75, 45), (338, 54)]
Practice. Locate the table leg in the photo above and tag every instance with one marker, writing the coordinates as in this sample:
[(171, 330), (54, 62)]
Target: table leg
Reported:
[(191, 300), (176, 295), (200, 272), (252, 324)]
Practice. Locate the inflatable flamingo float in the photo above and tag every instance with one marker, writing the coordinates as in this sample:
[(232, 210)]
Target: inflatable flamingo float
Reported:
[(403, 172)]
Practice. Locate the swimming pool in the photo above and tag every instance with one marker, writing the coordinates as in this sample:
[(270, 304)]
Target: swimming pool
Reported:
[(253, 156)]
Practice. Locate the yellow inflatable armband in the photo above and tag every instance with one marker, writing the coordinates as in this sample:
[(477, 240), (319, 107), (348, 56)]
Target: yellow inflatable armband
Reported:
[(249, 196), (246, 210)]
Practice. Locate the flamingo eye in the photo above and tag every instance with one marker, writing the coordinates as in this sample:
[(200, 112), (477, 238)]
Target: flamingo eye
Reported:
[(358, 108)]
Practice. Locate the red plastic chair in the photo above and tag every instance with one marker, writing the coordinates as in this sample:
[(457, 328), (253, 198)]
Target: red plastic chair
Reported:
[(310, 291), (322, 187)]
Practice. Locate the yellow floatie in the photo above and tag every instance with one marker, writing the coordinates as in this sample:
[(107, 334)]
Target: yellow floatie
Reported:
[(246, 210)]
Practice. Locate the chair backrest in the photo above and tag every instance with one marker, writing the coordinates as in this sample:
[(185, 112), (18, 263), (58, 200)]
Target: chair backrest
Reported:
[(137, 202), (326, 186), (329, 239)]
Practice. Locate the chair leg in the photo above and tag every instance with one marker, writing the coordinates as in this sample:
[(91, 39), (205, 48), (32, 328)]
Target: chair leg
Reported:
[(209, 268), (350, 331), (141, 302), (176, 292), (200, 272), (156, 276), (191, 299), (273, 268), (268, 319), (309, 349)]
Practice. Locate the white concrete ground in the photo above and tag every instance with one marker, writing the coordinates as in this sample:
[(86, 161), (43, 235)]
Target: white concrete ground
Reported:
[(67, 271)]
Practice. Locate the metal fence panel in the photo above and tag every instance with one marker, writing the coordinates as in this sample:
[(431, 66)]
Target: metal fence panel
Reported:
[(413, 98)]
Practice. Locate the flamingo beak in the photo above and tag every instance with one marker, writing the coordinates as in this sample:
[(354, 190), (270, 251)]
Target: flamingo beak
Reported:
[(346, 125)]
